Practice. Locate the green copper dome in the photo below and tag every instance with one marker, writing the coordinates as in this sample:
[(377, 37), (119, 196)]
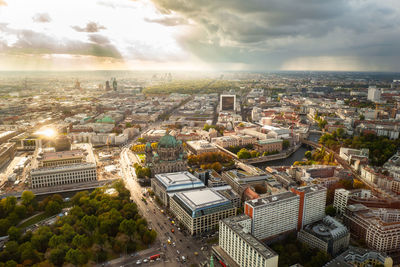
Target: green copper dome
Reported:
[(167, 141)]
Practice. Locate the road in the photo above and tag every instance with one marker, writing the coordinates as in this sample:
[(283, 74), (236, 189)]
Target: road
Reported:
[(184, 243)]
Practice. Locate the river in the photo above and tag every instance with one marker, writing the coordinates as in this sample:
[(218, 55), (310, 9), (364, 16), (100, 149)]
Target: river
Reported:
[(298, 155)]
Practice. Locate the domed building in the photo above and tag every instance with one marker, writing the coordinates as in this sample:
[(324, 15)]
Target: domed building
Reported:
[(169, 156)]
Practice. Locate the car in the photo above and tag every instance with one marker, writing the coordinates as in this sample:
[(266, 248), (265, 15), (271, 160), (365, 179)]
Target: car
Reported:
[(178, 252), (138, 262), (145, 260), (173, 244)]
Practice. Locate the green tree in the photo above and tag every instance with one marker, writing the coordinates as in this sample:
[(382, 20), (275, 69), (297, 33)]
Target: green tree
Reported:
[(308, 154), (330, 210), (56, 240), (4, 225), (53, 207), (128, 227), (27, 197), (244, 154), (76, 257), (80, 241), (142, 140), (14, 233), (57, 256), (89, 222)]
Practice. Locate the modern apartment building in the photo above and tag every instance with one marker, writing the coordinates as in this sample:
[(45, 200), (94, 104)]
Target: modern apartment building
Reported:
[(237, 247), (286, 212), (201, 210)]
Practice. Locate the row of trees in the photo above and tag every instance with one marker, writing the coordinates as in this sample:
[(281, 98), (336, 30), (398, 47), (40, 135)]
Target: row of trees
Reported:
[(218, 128), (209, 157), (380, 148), (236, 149), (98, 227), (246, 154), (142, 172), (141, 148), (318, 157)]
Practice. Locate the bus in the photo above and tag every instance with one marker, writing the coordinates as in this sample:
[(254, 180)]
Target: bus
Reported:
[(154, 257)]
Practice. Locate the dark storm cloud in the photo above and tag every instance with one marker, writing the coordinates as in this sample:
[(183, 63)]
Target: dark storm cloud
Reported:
[(169, 21), (41, 18), (31, 42), (267, 33), (90, 27)]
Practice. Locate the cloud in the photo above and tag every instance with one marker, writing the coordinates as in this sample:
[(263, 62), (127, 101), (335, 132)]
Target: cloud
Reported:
[(41, 18), (90, 27), (3, 3), (31, 42), (168, 21), (266, 34)]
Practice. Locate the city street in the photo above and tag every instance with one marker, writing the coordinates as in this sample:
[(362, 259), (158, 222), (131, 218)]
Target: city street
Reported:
[(180, 244)]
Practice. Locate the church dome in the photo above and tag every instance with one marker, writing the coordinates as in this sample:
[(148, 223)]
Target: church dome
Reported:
[(167, 141)]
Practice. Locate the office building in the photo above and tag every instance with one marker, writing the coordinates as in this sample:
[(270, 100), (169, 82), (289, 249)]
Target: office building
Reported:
[(52, 159), (201, 210), (63, 175), (342, 197), (374, 94), (360, 257), (379, 228), (327, 235), (227, 103), (286, 212), (269, 145), (237, 247), (166, 184)]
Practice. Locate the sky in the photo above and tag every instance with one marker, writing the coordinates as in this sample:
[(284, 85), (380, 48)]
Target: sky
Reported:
[(200, 35)]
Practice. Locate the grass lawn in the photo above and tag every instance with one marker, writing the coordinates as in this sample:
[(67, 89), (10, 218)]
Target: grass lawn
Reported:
[(34, 220)]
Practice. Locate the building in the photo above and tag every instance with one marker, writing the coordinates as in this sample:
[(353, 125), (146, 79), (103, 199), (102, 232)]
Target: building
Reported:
[(166, 184), (327, 235), (312, 204), (52, 159), (210, 178), (201, 210), (360, 257), (227, 103), (237, 247), (7, 153), (379, 228), (6, 135), (63, 175), (286, 212), (201, 146), (342, 197), (169, 156), (374, 94), (273, 215), (269, 145), (231, 195)]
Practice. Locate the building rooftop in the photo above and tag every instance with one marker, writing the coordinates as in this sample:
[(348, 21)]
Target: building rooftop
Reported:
[(179, 180), (62, 155), (236, 226), (327, 229), (273, 198), (202, 198), (269, 141)]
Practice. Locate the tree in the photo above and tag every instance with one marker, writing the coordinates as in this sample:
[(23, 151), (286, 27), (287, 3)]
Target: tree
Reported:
[(308, 154), (216, 166), (81, 241), (142, 140), (244, 154), (89, 222), (285, 144), (56, 240), (260, 189), (362, 117), (4, 225), (128, 125), (330, 210), (57, 256), (76, 257), (27, 197), (14, 233), (53, 207)]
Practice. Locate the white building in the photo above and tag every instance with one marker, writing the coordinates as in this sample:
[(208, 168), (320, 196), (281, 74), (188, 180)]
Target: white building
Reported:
[(238, 245), (286, 212), (342, 196), (374, 94), (63, 175), (201, 210)]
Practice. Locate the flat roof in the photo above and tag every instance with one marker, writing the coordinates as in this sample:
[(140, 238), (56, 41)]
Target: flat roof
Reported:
[(62, 155), (272, 198), (202, 198), (179, 180), (269, 141)]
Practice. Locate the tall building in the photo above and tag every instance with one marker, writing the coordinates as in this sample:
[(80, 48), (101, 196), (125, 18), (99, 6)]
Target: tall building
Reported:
[(237, 247), (374, 94), (356, 256), (201, 210), (169, 156), (286, 212), (227, 103)]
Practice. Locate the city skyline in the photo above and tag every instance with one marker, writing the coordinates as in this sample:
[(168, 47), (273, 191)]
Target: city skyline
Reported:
[(199, 36)]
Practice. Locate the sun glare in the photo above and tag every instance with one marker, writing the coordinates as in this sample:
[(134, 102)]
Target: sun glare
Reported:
[(48, 132)]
